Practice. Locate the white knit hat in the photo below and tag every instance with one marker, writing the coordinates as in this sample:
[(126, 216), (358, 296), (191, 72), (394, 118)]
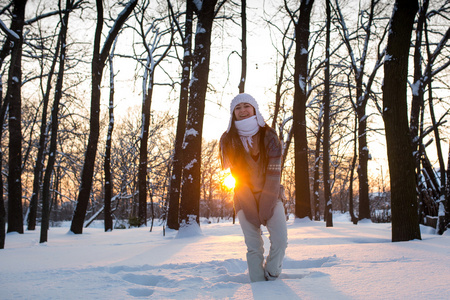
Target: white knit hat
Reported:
[(246, 98)]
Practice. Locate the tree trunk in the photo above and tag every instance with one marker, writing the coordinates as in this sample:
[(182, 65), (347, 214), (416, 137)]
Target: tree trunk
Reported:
[(38, 168), (244, 46), (190, 195), (405, 224), (175, 179), (143, 150), (316, 176), (148, 85), (447, 193), (107, 163), (98, 63), (280, 81), (442, 180), (2, 213), (152, 208), (54, 127), (326, 125), (14, 98), (352, 171), (5, 51), (94, 128), (440, 201), (417, 96), (417, 108), (2, 201), (302, 189), (361, 97), (364, 206)]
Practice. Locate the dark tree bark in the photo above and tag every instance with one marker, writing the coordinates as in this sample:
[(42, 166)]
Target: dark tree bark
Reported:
[(363, 90), (46, 195), (316, 174), (2, 213), (243, 46), (107, 163), (431, 190), (5, 51), (363, 179), (39, 166), (405, 223), (417, 108), (177, 164), (443, 181), (442, 178), (148, 83), (443, 221), (190, 195), (417, 98), (143, 157), (326, 125), (14, 98), (354, 219), (447, 193), (302, 189), (98, 63), (2, 201)]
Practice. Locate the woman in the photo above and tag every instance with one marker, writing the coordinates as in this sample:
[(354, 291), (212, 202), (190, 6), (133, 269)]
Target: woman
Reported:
[(252, 151)]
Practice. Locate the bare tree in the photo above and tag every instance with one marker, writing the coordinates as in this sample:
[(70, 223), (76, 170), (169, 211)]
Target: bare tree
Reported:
[(11, 37), (447, 193), (177, 162), (2, 202), (352, 170), (286, 50), (363, 88), (302, 32), (190, 196), (208, 181), (316, 167), (243, 46), (14, 99), (55, 122), (326, 122), (38, 168), (107, 162), (431, 190), (405, 223), (151, 40), (282, 112), (98, 63), (44, 127)]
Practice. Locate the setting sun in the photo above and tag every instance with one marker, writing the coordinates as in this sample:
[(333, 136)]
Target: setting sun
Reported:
[(229, 181)]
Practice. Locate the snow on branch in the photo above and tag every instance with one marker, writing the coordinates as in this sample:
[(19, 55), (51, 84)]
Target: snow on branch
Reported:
[(11, 34)]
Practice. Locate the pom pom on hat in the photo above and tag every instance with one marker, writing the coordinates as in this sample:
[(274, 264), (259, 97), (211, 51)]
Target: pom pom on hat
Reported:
[(245, 98)]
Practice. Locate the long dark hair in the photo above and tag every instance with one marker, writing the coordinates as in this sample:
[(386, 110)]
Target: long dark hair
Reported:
[(235, 151)]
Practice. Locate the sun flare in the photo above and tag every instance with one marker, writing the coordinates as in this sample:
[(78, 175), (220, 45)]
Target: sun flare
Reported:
[(229, 181)]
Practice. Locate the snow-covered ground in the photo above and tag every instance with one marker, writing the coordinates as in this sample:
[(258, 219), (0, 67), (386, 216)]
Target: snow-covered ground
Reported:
[(342, 262)]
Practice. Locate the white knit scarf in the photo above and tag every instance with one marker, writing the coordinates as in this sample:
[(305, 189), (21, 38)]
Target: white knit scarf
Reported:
[(247, 128)]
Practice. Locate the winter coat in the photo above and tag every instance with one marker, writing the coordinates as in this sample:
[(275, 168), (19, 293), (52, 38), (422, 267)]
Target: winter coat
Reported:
[(257, 189)]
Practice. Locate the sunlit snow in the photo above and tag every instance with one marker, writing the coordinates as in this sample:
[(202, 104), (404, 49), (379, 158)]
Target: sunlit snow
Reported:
[(342, 262)]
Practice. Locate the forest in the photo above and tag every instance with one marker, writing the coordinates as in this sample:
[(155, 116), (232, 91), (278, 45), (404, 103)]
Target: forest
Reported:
[(107, 109)]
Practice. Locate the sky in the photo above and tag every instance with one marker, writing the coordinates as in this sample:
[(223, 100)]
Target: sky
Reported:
[(225, 70), (340, 262), (224, 78), (261, 70)]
